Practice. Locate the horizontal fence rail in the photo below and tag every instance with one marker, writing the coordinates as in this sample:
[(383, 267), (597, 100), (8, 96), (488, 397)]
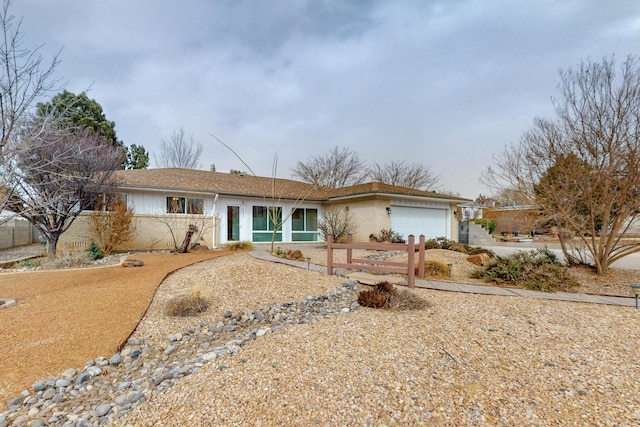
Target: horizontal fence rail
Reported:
[(408, 268)]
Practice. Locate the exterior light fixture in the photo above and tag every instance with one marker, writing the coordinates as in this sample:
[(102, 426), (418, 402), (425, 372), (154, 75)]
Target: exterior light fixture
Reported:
[(636, 290), (389, 210), (308, 262), (450, 267)]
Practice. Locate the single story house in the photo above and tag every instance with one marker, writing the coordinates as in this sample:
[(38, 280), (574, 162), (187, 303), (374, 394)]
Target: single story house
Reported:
[(228, 207)]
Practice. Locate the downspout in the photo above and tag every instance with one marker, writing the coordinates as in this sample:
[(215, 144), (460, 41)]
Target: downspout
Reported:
[(213, 229)]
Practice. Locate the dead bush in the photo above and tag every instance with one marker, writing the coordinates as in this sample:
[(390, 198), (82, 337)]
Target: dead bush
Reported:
[(405, 300), (186, 305), (384, 295), (436, 269), (295, 254)]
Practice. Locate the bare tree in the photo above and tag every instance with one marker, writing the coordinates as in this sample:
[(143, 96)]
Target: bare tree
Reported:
[(403, 174), (179, 152), (57, 173), (24, 79), (583, 168), (340, 168), (338, 223)]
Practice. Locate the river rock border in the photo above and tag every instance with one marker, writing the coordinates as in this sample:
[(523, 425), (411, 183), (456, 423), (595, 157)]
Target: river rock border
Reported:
[(85, 397)]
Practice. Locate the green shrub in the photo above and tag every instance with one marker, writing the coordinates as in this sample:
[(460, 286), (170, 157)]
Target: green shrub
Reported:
[(238, 246), (95, 252), (537, 270), (29, 263)]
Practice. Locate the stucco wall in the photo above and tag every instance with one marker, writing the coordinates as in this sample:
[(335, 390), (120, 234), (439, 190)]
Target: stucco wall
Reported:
[(370, 216)]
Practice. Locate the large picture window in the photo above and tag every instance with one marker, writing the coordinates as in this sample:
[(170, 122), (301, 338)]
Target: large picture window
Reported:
[(304, 225), (264, 224), (189, 205)]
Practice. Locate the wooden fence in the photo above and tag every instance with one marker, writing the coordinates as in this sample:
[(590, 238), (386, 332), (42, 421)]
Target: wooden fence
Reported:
[(408, 268)]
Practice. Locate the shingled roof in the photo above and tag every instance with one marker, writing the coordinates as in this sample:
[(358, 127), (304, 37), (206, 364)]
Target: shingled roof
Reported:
[(191, 180)]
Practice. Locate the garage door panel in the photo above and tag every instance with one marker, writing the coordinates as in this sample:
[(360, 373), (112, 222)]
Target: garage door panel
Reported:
[(411, 220)]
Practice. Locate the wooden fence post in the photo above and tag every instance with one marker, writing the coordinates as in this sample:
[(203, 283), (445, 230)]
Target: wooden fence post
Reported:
[(421, 257), (411, 258), (349, 250), (330, 255)]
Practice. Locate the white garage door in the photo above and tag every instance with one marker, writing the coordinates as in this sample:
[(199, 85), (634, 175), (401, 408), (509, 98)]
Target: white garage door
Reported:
[(430, 222)]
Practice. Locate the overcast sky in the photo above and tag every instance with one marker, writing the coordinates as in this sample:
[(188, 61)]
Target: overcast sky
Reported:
[(446, 83)]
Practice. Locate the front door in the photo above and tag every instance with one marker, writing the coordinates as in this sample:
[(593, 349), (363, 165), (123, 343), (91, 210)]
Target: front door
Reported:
[(233, 223)]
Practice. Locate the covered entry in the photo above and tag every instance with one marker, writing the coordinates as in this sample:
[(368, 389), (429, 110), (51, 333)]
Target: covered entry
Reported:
[(431, 222)]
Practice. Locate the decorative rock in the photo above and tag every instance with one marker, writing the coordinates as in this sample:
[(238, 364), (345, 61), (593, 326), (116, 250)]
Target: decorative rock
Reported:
[(7, 303), (103, 410), (115, 359), (16, 401), (479, 259), (132, 263), (69, 373), (83, 377), (93, 371), (38, 386), (48, 393), (170, 350), (133, 341), (63, 382)]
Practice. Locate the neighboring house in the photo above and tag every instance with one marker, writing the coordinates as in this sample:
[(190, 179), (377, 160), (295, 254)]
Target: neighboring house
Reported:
[(234, 207)]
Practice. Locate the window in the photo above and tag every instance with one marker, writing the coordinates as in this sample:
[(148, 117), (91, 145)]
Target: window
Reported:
[(304, 225), (263, 223), (190, 205), (175, 205)]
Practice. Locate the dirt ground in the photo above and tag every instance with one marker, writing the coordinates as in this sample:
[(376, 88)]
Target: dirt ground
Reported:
[(64, 318)]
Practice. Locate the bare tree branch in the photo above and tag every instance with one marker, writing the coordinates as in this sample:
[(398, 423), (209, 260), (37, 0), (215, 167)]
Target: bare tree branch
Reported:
[(340, 168), (403, 174), (179, 152)]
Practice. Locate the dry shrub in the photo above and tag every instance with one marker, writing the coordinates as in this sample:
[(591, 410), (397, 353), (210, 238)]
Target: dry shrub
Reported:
[(295, 254), (377, 297), (405, 300), (238, 246), (385, 295), (186, 305), (436, 269), (112, 226)]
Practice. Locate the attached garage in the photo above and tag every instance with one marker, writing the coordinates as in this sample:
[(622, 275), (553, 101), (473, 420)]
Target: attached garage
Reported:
[(431, 222)]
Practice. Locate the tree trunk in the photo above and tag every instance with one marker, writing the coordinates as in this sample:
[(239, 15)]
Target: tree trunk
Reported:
[(187, 239), (52, 245)]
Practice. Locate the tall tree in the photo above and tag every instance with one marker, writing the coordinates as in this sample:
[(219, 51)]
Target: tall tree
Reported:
[(137, 157), (179, 152), (340, 168), (583, 168), (78, 111), (59, 172), (24, 79), (403, 174)]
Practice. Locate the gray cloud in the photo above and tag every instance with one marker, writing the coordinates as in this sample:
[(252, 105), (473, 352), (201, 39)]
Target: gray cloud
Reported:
[(446, 83)]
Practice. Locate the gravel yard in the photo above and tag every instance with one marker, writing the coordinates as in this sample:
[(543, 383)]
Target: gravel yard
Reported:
[(466, 360)]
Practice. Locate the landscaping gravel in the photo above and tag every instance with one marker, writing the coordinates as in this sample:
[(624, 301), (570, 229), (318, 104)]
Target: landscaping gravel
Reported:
[(272, 350)]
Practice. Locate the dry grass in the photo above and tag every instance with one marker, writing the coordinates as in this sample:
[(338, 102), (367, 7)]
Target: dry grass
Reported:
[(186, 305)]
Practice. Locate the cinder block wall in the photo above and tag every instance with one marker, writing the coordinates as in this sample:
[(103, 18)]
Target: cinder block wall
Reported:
[(153, 232)]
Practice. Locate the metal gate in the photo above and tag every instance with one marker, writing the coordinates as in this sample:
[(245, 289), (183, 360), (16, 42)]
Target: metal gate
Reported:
[(463, 232)]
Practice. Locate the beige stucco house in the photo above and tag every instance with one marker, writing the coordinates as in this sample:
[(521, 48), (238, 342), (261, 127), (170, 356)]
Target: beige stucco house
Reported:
[(233, 207)]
